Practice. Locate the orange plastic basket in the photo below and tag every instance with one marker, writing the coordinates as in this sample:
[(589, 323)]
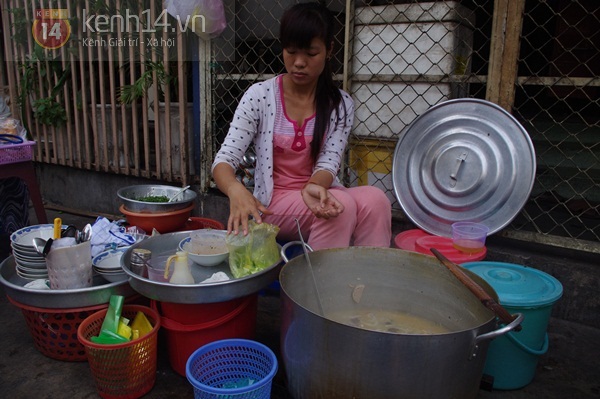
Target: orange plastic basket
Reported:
[(54, 331), (125, 370)]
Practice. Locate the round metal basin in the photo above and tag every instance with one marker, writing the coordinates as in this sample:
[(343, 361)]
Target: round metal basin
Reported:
[(97, 294), (167, 244), (130, 197)]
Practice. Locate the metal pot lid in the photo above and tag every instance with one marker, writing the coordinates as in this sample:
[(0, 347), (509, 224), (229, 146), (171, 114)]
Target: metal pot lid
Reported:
[(463, 160)]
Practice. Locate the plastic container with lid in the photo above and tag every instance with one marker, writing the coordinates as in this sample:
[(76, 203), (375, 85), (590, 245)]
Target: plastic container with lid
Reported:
[(512, 358)]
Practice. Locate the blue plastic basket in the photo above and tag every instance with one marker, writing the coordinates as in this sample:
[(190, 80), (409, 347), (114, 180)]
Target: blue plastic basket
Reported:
[(232, 369)]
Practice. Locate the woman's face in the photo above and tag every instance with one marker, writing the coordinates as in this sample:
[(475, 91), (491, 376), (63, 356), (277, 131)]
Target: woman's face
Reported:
[(304, 65)]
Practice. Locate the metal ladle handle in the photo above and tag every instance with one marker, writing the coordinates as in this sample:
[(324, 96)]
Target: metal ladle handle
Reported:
[(178, 193), (476, 289), (287, 245), (312, 273)]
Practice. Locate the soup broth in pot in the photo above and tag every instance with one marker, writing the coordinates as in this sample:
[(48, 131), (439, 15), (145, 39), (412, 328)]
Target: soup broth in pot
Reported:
[(388, 321)]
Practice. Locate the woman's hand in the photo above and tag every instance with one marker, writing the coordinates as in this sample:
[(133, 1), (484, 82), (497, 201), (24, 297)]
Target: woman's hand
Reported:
[(243, 204), (320, 201)]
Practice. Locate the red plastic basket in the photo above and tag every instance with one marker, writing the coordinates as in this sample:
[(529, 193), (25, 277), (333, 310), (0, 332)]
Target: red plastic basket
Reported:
[(54, 331), (13, 153), (125, 370), (221, 322)]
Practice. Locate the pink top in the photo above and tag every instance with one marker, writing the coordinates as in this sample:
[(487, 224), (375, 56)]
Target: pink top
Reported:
[(253, 124), (292, 164)]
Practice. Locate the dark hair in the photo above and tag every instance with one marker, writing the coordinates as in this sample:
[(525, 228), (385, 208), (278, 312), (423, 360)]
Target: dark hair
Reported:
[(300, 24)]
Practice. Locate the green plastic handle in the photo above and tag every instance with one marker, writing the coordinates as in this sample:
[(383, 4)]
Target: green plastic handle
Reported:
[(108, 337), (113, 314)]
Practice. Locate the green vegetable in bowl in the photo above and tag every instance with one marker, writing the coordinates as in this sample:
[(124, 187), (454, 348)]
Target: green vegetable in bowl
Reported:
[(254, 252), (153, 198)]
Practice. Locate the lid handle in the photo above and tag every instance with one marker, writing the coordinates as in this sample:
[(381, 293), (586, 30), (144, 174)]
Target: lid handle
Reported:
[(459, 162)]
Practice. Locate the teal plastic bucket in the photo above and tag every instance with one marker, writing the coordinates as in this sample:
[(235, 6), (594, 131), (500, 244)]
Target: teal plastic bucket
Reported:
[(512, 358)]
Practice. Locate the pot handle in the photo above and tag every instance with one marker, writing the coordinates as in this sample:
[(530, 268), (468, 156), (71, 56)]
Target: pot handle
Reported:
[(496, 333), (289, 244)]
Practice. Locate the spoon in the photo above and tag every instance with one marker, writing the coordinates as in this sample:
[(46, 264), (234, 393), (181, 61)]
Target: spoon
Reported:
[(85, 234), (178, 193), (42, 246), (70, 231)]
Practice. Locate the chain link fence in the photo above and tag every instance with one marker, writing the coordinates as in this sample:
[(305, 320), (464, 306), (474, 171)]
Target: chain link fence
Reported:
[(397, 59), (558, 101)]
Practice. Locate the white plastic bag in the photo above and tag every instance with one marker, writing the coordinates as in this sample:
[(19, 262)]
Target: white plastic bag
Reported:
[(13, 127), (205, 17)]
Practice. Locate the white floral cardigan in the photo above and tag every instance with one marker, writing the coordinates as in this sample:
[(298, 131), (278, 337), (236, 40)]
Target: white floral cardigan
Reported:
[(253, 122)]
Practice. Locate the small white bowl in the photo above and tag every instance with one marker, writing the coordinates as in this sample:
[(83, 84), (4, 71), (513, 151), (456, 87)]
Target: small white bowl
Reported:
[(23, 239), (109, 260), (206, 247), (112, 277)]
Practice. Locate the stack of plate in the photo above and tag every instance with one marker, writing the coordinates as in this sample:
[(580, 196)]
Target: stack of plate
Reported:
[(30, 264), (108, 264)]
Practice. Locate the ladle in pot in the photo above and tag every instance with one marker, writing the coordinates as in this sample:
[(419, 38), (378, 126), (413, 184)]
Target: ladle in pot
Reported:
[(312, 273), (476, 289)]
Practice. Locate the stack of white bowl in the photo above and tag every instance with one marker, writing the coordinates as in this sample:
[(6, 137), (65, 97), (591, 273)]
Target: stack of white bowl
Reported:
[(30, 264), (108, 265)]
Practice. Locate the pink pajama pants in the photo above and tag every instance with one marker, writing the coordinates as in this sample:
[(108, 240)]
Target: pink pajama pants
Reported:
[(366, 220)]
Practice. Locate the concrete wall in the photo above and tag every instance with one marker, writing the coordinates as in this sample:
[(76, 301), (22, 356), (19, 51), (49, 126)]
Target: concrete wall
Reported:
[(579, 274), (96, 193)]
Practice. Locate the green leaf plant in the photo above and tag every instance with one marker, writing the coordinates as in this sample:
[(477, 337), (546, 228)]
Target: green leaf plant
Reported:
[(42, 80), (128, 94)]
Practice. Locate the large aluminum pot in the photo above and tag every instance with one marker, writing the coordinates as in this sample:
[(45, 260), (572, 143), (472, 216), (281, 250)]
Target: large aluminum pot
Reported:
[(325, 358)]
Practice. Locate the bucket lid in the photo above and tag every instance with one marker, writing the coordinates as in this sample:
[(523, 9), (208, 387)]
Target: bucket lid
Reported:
[(518, 285), (463, 160)]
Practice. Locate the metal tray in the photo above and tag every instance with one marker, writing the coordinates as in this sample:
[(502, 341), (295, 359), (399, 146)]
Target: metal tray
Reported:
[(166, 244), (98, 293)]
